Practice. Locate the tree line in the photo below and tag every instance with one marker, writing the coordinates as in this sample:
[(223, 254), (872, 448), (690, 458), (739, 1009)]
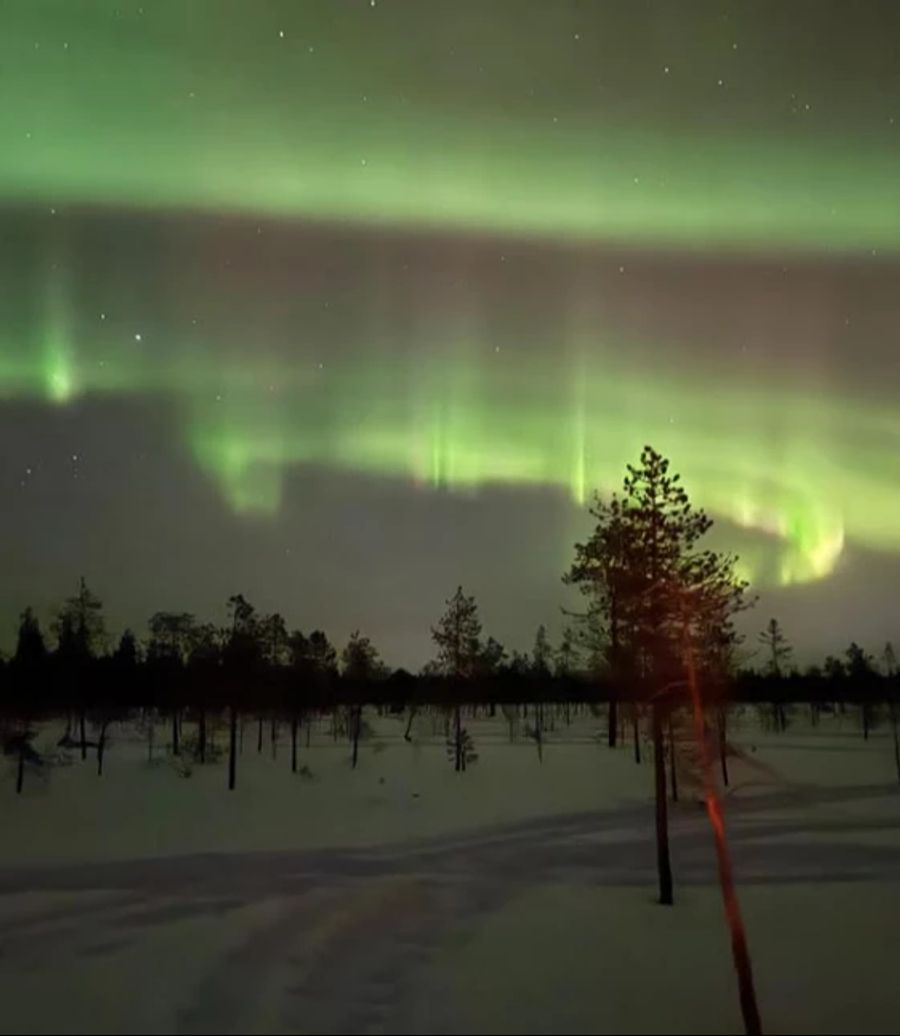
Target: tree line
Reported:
[(655, 643)]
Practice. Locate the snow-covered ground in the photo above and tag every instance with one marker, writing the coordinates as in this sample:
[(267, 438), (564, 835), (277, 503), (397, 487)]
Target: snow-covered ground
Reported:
[(403, 897)]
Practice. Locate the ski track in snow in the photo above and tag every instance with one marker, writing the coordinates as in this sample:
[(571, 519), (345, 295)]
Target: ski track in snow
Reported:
[(342, 940)]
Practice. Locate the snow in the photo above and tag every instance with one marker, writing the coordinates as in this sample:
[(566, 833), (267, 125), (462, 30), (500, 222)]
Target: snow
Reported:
[(402, 897)]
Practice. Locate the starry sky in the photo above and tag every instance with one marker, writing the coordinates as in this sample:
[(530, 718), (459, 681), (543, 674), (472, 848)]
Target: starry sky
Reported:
[(339, 304)]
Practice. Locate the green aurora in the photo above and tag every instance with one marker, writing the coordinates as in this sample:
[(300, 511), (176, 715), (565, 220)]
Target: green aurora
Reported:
[(715, 135), (409, 113), (460, 418)]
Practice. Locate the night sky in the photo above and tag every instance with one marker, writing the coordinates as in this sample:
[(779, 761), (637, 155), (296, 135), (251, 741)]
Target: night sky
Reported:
[(339, 304)]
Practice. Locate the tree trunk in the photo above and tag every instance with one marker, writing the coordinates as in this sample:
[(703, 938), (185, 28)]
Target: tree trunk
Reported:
[(201, 736), (356, 720), (637, 735), (457, 739), (83, 735), (407, 734), (539, 731), (150, 728), (259, 736), (176, 747), (294, 743), (865, 720), (20, 768), (232, 752), (613, 723), (672, 760), (723, 744), (896, 741), (101, 747), (663, 863)]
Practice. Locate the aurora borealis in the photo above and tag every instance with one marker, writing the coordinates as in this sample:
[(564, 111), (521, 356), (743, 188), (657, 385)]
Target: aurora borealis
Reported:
[(289, 286)]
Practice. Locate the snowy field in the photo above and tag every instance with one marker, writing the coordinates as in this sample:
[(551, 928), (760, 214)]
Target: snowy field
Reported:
[(403, 897)]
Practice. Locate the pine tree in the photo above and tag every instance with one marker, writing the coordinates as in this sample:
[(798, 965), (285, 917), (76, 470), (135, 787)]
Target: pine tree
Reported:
[(126, 653), (778, 656), (565, 663), (655, 592), (30, 647), (274, 640), (457, 636), (892, 673), (359, 661), (778, 650), (241, 656), (80, 633), (79, 624), (566, 656), (601, 572), (860, 668), (542, 652)]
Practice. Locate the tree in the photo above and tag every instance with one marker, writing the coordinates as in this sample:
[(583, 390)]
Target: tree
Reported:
[(565, 663), (274, 640), (541, 656), (491, 657), (892, 672), (171, 636), (457, 637), (778, 655), (80, 633), (126, 653), (322, 655), (241, 655), (778, 650), (18, 744), (601, 572), (359, 661), (566, 656), (79, 624), (314, 660), (31, 650), (860, 668), (656, 595), (274, 649), (204, 655), (542, 653)]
